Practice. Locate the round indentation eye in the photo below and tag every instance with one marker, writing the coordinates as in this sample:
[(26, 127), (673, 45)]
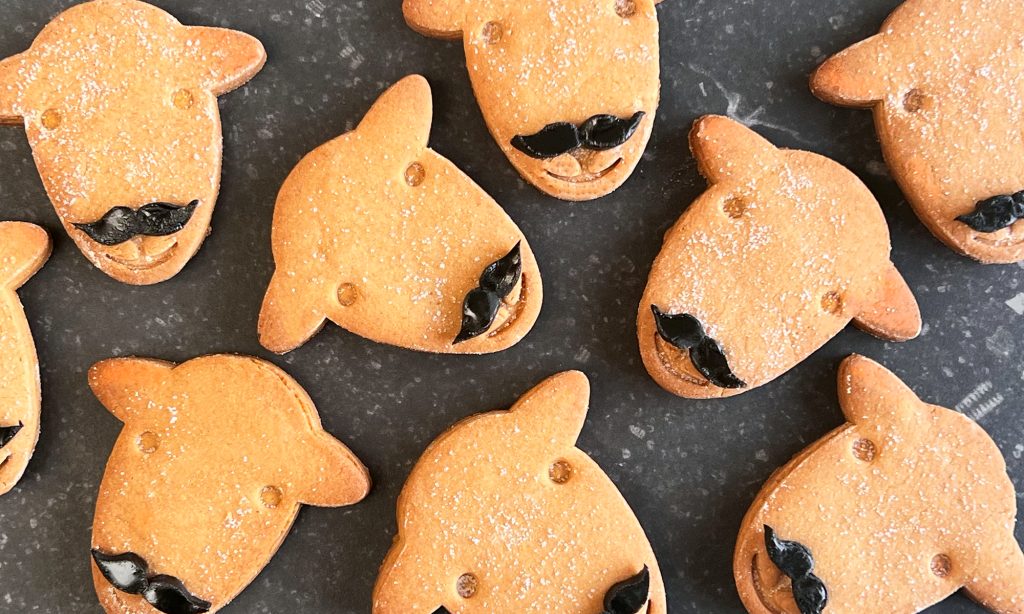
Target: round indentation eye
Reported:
[(347, 294), (415, 174), (467, 585), (914, 101), (560, 471), (51, 119), (735, 207), (941, 565), (492, 32), (625, 8), (271, 496), (148, 442), (865, 450), (183, 99), (832, 302)]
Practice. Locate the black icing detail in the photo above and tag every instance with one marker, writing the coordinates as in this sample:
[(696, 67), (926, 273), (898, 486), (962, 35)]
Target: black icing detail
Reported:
[(122, 224), (685, 332), (129, 573), (795, 560), (599, 133), (441, 610), (7, 433), (630, 595), (481, 304), (994, 214)]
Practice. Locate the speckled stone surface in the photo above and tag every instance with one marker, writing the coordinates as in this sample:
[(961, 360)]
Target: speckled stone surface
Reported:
[(689, 468)]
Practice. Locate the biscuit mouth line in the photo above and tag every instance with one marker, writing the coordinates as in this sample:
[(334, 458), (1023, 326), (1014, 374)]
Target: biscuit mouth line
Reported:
[(149, 263), (755, 579), (587, 177), (664, 360)]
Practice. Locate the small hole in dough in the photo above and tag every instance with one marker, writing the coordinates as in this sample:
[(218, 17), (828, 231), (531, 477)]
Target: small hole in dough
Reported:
[(941, 565), (865, 450), (560, 472), (735, 207), (148, 442), (492, 33), (183, 99), (347, 295), (271, 496), (415, 174), (466, 585), (832, 302), (625, 8), (51, 119), (914, 101)]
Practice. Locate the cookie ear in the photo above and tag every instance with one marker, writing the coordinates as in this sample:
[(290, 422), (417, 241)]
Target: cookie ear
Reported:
[(23, 250), (333, 475), (127, 385), (437, 18), (403, 113), (998, 581), (856, 76), (10, 88), (290, 315), (894, 315), (728, 150), (223, 59), (869, 393), (555, 409)]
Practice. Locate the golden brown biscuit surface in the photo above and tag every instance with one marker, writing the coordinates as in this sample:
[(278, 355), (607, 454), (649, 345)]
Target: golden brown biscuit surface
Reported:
[(784, 249), (23, 250), (119, 101), (208, 473), (534, 63), (384, 237), (899, 508), (503, 513), (946, 81)]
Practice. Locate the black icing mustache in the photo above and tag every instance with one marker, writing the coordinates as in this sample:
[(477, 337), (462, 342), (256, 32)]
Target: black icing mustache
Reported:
[(481, 304), (129, 573), (121, 224), (996, 213), (795, 560), (600, 133), (626, 597), (7, 433), (685, 332)]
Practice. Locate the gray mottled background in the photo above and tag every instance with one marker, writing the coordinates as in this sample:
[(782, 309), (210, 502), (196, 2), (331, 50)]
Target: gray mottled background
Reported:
[(690, 469)]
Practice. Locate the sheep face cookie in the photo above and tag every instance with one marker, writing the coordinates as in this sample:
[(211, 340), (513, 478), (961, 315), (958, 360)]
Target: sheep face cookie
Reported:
[(504, 514), (381, 235), (780, 254), (205, 479), (569, 88), (23, 250), (120, 104), (946, 81), (892, 512)]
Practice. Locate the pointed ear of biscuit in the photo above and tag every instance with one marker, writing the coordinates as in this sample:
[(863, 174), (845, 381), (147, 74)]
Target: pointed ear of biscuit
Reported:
[(23, 250), (333, 475), (555, 409), (403, 113), (223, 59), (855, 77), (437, 18), (870, 393), (290, 315), (727, 150), (10, 88), (894, 315), (126, 385)]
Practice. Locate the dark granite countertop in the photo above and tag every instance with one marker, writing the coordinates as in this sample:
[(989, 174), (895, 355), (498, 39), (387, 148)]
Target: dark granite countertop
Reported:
[(690, 469)]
